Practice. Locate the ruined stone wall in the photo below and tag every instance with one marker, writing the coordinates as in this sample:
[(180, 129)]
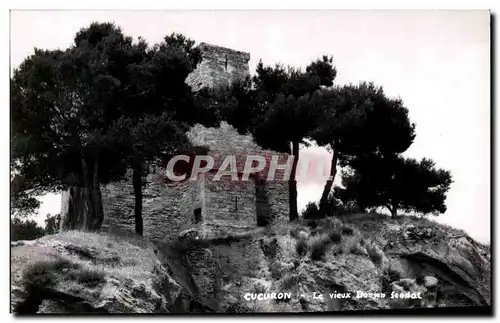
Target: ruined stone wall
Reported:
[(118, 205), (220, 66), (167, 209), (278, 201), (225, 140), (227, 202)]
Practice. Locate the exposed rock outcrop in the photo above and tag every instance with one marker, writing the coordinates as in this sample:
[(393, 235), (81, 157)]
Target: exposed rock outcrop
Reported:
[(362, 263), (76, 272), (375, 261)]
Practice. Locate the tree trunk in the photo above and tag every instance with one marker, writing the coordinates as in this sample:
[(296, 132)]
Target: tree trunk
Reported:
[(137, 183), (323, 202), (81, 207), (96, 199), (73, 209), (394, 211), (292, 183), (87, 202)]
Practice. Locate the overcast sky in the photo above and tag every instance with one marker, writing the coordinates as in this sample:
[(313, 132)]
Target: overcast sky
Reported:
[(436, 61)]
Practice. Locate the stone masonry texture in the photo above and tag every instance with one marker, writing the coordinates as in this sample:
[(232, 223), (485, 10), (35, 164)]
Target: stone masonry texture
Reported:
[(219, 67)]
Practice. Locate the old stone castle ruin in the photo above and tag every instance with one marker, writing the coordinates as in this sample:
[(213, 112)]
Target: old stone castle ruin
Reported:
[(378, 255), (213, 207)]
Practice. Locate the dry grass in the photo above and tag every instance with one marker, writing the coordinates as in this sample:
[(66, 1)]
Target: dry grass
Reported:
[(289, 282), (375, 253), (313, 224), (318, 246), (335, 236), (75, 258), (275, 270), (90, 277), (126, 255), (45, 273), (347, 231), (96, 267), (322, 235), (295, 232), (353, 244), (258, 288), (301, 247), (332, 223)]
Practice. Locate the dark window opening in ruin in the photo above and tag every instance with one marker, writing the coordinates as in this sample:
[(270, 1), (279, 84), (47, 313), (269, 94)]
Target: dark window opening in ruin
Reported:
[(225, 63), (197, 215)]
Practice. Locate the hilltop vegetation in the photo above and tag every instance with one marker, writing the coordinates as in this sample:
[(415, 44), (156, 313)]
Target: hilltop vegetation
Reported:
[(76, 272)]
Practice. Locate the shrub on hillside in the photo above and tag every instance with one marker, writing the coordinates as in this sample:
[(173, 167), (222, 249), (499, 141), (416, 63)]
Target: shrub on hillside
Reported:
[(52, 223), (30, 230), (275, 270), (347, 231), (301, 246), (331, 223), (25, 230), (44, 273), (353, 245), (87, 276), (335, 207), (295, 232), (311, 211), (335, 236), (357, 249), (318, 247), (270, 247), (313, 224), (258, 288), (289, 281), (336, 249)]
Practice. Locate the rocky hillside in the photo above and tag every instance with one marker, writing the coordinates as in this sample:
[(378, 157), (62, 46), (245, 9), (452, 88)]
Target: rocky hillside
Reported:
[(77, 272), (362, 261)]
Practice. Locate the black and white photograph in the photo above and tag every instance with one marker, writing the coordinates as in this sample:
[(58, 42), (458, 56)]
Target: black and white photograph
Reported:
[(250, 162)]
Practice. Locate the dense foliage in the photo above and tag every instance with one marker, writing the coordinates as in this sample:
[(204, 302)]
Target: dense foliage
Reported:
[(30, 230), (359, 120), (82, 116), (280, 107), (396, 183)]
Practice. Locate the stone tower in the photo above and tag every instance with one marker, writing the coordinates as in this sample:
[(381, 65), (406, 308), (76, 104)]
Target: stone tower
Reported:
[(219, 66)]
